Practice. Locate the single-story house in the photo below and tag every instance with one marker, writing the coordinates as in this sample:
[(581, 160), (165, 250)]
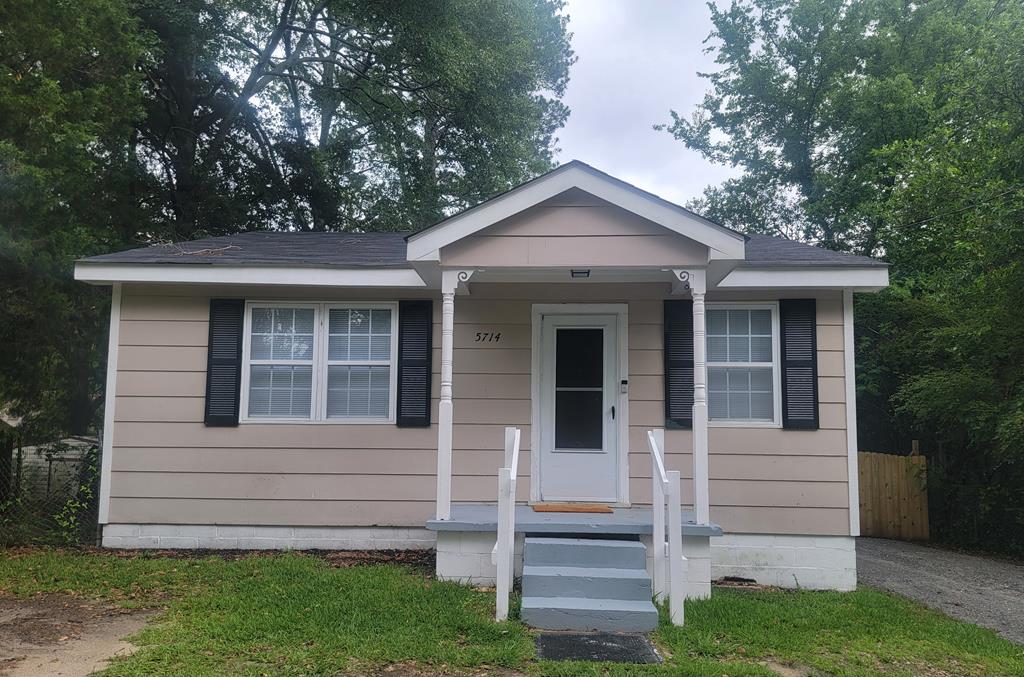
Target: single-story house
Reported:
[(351, 390)]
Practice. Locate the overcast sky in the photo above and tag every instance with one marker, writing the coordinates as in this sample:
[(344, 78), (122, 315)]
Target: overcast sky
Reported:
[(636, 60)]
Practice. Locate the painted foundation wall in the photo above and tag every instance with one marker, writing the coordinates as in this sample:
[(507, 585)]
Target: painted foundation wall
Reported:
[(168, 468)]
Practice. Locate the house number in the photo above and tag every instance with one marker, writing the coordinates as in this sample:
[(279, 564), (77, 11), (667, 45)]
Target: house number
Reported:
[(487, 337)]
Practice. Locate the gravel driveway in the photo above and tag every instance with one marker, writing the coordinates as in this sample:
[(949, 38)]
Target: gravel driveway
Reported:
[(987, 592)]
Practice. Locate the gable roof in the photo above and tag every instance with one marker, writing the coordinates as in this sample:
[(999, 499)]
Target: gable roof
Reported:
[(721, 241), (388, 250)]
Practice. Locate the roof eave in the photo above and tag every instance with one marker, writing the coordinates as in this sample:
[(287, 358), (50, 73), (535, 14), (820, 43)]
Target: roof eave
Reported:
[(866, 278), (99, 273)]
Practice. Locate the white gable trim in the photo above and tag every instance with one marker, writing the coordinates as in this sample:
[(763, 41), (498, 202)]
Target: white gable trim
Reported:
[(723, 243), (257, 275)]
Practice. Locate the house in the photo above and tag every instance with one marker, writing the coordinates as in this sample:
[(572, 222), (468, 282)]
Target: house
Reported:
[(351, 390)]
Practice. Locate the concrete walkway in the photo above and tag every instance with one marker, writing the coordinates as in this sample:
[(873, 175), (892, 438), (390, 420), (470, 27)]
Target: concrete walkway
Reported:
[(987, 592)]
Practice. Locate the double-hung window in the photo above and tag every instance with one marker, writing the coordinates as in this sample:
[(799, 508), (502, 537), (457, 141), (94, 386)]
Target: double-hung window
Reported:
[(743, 363), (321, 362)]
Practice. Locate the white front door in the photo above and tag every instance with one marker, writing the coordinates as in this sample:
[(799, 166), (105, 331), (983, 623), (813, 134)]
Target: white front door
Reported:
[(579, 384)]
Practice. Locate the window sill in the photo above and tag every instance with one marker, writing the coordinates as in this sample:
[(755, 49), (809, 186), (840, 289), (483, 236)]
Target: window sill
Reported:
[(306, 421), (765, 425)]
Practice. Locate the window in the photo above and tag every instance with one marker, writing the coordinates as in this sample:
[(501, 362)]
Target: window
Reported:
[(742, 360), (319, 362)]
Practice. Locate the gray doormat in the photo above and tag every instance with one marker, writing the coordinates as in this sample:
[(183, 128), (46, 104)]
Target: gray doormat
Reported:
[(596, 646)]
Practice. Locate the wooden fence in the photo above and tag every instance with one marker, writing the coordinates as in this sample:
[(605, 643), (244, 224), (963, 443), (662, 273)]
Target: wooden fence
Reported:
[(893, 496)]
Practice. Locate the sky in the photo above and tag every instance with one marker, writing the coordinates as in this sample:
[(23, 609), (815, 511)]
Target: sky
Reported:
[(636, 61)]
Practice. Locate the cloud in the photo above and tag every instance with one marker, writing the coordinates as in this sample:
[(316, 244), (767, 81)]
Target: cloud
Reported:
[(636, 61)]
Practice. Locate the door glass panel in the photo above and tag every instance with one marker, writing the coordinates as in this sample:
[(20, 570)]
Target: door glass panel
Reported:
[(579, 388), (579, 358), (578, 419)]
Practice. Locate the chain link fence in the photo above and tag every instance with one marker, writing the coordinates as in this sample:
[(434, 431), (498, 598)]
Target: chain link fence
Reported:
[(49, 493)]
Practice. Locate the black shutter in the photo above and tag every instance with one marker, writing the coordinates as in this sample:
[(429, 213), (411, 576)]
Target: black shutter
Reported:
[(798, 318), (224, 362), (678, 364), (415, 343)]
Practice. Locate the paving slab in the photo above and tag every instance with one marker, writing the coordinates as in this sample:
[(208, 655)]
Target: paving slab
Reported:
[(596, 646)]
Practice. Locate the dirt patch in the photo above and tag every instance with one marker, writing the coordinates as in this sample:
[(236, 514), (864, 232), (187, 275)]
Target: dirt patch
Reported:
[(423, 560), (62, 636)]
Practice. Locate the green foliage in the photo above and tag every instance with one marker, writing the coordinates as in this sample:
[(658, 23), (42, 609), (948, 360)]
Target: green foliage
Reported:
[(73, 518), (68, 98), (125, 122), (897, 129)]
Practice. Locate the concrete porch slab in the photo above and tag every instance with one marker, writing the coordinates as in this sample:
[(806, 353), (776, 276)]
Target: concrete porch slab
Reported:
[(483, 517)]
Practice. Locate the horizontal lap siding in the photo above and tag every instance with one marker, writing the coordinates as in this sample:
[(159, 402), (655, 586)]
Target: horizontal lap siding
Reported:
[(773, 480), (169, 467)]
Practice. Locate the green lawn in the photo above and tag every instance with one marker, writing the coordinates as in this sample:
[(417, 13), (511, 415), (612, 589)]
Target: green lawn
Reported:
[(293, 614)]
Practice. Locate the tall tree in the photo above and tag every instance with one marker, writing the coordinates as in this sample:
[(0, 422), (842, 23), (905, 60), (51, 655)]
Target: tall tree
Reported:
[(337, 113), (69, 95), (896, 128)]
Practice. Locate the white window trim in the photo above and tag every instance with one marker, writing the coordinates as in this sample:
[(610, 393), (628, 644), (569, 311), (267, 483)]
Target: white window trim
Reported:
[(318, 406), (776, 421)]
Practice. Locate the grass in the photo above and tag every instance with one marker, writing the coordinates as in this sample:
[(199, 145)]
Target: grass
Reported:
[(293, 614)]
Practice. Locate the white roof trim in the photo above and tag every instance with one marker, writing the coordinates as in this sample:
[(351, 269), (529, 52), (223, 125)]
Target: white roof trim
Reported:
[(868, 278), (724, 243), (184, 273)]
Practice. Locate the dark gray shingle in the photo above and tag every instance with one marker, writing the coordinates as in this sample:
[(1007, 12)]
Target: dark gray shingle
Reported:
[(387, 250), (346, 250)]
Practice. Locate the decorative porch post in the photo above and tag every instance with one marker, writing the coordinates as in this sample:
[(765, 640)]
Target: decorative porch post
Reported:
[(701, 499), (450, 280)]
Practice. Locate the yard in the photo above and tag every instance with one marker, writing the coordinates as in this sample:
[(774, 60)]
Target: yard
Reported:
[(295, 614)]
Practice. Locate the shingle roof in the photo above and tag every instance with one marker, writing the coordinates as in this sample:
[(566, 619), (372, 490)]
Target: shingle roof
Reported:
[(765, 250), (387, 250), (343, 250)]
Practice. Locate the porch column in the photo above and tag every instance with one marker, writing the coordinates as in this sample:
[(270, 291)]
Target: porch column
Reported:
[(701, 500), (450, 280)]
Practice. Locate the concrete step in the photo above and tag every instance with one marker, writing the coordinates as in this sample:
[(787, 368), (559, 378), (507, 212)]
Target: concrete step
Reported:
[(581, 613), (594, 583), (584, 552)]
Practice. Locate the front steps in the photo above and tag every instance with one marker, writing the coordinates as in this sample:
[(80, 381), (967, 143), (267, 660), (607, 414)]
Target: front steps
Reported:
[(587, 584)]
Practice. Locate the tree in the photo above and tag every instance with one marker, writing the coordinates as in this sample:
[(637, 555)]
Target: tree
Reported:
[(893, 128), (68, 97), (328, 114)]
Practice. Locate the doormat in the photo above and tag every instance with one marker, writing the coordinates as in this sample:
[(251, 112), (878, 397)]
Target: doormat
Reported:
[(572, 507), (596, 646)]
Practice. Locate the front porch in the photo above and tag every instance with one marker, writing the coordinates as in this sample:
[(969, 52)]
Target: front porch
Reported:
[(466, 541)]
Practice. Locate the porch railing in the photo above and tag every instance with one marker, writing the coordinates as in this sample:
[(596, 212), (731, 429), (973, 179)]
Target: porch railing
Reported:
[(667, 496), (504, 548)]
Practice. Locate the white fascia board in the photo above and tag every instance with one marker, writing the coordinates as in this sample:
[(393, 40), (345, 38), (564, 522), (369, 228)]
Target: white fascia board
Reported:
[(110, 273), (425, 245), (870, 278)]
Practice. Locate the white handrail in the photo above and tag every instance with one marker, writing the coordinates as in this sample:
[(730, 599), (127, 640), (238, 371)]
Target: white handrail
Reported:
[(667, 495), (504, 547)]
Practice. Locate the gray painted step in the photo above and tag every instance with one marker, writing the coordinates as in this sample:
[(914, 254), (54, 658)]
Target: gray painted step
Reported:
[(580, 613), (584, 552), (592, 582)]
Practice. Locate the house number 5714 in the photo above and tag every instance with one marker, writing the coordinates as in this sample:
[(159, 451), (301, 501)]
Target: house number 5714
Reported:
[(488, 337)]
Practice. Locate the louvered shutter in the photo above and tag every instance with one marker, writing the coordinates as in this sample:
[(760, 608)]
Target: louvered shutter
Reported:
[(415, 343), (799, 347), (678, 364), (224, 362)]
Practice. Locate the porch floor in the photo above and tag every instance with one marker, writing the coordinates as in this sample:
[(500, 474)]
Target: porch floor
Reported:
[(484, 517)]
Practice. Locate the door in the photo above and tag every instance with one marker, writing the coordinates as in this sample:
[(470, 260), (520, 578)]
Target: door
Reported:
[(578, 418)]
